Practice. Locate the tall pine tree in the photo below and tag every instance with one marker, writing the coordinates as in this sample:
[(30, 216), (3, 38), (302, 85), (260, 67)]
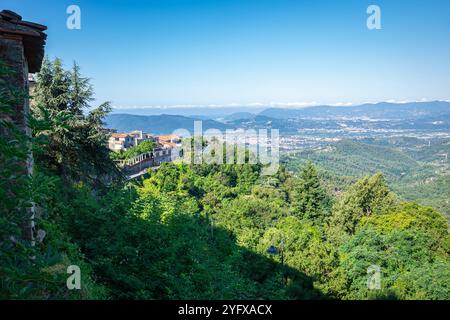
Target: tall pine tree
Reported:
[(73, 142), (310, 201)]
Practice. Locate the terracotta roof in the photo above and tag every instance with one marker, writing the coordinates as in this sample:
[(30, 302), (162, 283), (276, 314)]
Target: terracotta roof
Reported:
[(32, 34), (120, 135), (167, 138)]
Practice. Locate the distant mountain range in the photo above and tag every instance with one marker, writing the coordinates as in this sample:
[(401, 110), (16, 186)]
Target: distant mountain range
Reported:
[(383, 110), (158, 124), (379, 110), (416, 115), (192, 112)]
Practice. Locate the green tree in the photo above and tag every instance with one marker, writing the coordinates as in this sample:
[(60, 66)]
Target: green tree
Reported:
[(70, 141), (27, 270), (310, 201), (80, 93), (304, 249), (409, 244), (368, 196)]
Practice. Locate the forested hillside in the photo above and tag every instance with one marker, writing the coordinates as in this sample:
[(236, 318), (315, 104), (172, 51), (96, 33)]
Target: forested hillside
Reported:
[(198, 231), (415, 170), (158, 124)]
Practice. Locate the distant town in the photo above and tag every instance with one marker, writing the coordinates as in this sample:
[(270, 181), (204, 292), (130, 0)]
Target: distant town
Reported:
[(124, 141)]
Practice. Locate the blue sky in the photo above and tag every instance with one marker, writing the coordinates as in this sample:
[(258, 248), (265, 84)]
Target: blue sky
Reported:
[(175, 52)]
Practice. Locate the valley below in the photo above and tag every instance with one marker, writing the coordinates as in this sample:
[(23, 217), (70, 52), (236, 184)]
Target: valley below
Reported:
[(409, 143)]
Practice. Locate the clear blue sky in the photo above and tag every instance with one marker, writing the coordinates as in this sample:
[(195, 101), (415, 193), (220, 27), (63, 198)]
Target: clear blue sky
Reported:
[(168, 52)]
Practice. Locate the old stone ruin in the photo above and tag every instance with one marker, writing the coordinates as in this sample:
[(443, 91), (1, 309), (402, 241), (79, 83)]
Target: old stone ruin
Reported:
[(21, 50)]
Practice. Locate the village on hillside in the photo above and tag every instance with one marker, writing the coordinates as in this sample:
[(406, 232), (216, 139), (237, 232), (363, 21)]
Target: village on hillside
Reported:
[(136, 151), (123, 141)]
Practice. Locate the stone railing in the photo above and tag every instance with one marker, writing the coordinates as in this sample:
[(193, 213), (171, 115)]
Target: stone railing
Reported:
[(144, 161)]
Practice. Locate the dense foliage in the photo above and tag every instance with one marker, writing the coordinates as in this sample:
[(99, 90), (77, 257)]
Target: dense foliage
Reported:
[(199, 231)]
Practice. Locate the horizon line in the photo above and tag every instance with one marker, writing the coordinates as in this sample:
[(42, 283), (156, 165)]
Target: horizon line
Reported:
[(281, 105)]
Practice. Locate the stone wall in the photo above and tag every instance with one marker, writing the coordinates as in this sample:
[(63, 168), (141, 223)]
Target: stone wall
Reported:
[(21, 49), (150, 160)]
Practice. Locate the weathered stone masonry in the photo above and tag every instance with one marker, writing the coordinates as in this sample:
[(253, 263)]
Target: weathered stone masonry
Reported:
[(22, 49)]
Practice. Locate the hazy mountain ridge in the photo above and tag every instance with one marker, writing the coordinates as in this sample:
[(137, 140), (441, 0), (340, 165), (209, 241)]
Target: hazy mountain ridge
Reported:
[(418, 116), (427, 111), (158, 124), (382, 110)]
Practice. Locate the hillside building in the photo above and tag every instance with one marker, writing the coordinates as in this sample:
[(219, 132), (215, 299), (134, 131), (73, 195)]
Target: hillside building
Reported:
[(169, 142), (124, 141), (121, 141)]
